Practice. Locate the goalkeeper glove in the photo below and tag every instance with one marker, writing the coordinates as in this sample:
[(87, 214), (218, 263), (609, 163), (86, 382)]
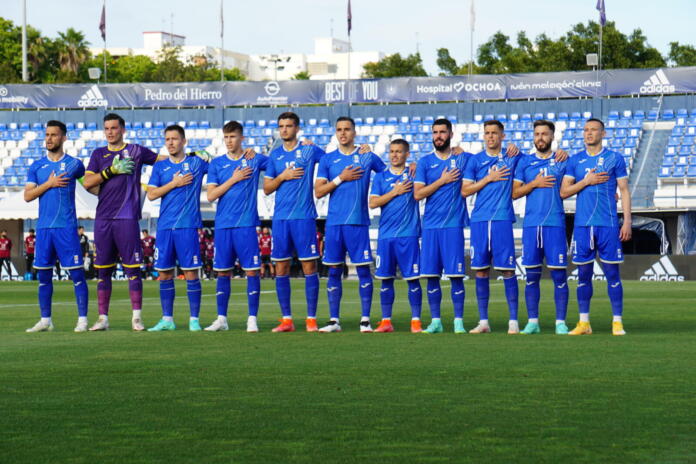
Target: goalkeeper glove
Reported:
[(202, 154)]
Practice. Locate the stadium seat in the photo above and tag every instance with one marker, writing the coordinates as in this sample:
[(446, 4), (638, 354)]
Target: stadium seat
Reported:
[(488, 117), (692, 113), (526, 117), (682, 113), (204, 125), (575, 116), (428, 120), (478, 118), (613, 115), (502, 118), (679, 171), (393, 120), (453, 119), (668, 114), (653, 115), (538, 116), (691, 171), (639, 114)]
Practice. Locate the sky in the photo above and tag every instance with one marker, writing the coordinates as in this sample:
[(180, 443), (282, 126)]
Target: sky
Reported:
[(390, 26)]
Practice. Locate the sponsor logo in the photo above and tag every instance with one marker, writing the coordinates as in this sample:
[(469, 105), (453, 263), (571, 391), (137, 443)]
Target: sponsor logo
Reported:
[(182, 94), (92, 98), (657, 83), (457, 87), (433, 291), (5, 97), (364, 285), (662, 271), (272, 88), (598, 273), (551, 85)]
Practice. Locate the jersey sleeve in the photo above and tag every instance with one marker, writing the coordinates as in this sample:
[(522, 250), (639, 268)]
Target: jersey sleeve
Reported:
[(470, 170), (263, 162), (420, 172), (155, 178), (323, 170), (31, 175), (93, 165), (205, 165), (570, 167), (213, 174), (376, 189), (78, 169), (518, 175), (148, 156), (271, 168), (377, 163), (317, 153), (620, 169)]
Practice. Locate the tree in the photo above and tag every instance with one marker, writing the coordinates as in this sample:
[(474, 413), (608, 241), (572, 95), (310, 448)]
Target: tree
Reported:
[(446, 63), (73, 51), (301, 76), (395, 66), (682, 55)]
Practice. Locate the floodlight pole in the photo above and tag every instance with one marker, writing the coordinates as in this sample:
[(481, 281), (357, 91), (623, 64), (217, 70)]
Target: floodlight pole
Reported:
[(222, 44), (25, 70), (104, 51)]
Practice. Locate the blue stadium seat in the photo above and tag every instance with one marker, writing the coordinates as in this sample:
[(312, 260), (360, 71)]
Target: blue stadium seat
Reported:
[(678, 130), (679, 171), (359, 122), (393, 120), (249, 123), (3, 126), (551, 116), (158, 125), (429, 120), (453, 118), (682, 113), (613, 115), (668, 114), (137, 125), (502, 118), (538, 116), (668, 160), (652, 115), (526, 117), (639, 114), (325, 123), (631, 142), (92, 126), (204, 125), (617, 143), (562, 116), (416, 120), (478, 118), (692, 160), (691, 171), (37, 126), (682, 161), (575, 116), (488, 117), (674, 141), (692, 113), (273, 123), (381, 121)]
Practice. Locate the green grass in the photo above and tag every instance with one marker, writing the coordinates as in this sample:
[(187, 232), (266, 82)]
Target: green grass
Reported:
[(126, 397)]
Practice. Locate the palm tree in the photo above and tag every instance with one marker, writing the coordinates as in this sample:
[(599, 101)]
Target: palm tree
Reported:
[(72, 50)]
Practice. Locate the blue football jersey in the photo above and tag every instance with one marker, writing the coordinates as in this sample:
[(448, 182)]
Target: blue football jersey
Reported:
[(544, 206), (181, 207), (596, 204), (294, 199), (399, 217), (494, 201), (238, 206), (56, 205), (348, 203), (446, 207)]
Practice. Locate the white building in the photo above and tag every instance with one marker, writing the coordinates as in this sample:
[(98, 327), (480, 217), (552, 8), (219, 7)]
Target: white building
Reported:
[(329, 60)]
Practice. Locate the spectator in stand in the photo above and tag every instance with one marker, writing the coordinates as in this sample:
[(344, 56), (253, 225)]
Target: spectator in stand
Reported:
[(208, 254), (5, 251), (84, 241), (148, 243), (265, 247), (29, 247)]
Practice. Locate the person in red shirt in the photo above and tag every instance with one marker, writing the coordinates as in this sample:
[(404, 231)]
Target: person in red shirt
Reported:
[(148, 243), (208, 253), (29, 246), (265, 241), (5, 250)]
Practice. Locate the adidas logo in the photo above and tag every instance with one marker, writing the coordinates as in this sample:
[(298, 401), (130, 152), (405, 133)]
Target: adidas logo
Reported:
[(662, 271), (92, 98), (658, 83), (596, 270)]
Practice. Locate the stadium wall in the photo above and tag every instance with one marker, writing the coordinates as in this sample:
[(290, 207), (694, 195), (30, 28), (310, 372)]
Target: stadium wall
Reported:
[(465, 111)]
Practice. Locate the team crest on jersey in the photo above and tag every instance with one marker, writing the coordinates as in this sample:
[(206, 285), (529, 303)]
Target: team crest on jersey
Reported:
[(244, 162), (356, 159), (186, 167), (126, 154), (298, 154), (62, 166), (366, 254)]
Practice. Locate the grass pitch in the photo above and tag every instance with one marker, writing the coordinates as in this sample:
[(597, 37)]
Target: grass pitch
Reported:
[(126, 397)]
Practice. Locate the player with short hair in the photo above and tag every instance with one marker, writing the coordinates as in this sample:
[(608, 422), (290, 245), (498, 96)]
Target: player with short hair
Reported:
[(399, 230), (233, 180), (148, 243), (344, 175), (265, 240), (538, 177), (438, 180), (594, 175), (52, 180), (115, 171), (29, 252), (289, 174), (177, 182), (488, 175)]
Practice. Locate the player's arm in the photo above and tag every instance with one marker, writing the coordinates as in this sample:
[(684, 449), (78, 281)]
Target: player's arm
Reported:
[(215, 191), (421, 191), (469, 187), (118, 167), (520, 189), (271, 184), (323, 187), (569, 187), (626, 231), (33, 191), (154, 192), (400, 188)]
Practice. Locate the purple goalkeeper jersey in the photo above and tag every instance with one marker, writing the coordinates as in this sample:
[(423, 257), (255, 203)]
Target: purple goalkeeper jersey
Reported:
[(119, 197)]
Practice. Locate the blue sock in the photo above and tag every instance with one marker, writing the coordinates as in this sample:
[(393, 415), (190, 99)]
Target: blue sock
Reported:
[(365, 279), (386, 297), (512, 294), (434, 297), (45, 291), (223, 294), (614, 287), (253, 294), (532, 293), (312, 294), (458, 296), (415, 297), (283, 292), (560, 292), (585, 287), (193, 290), (483, 292), (334, 291), (167, 293), (81, 292)]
